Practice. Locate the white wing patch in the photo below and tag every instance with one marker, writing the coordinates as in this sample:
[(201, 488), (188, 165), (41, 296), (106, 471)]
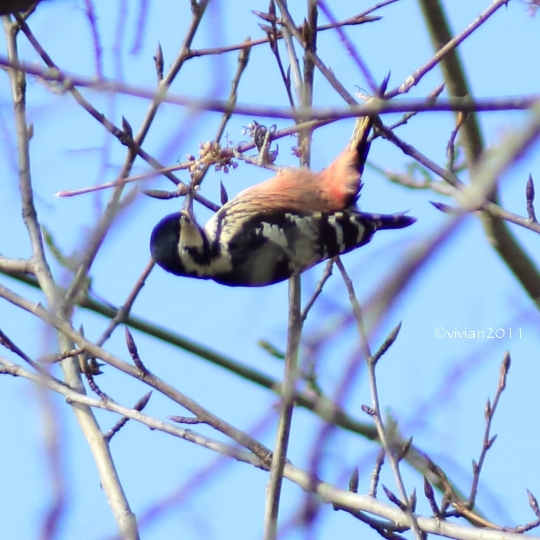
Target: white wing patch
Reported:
[(275, 234), (339, 231), (301, 252), (303, 224)]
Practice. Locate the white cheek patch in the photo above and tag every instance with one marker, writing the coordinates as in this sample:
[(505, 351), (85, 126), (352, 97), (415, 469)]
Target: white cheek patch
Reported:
[(219, 265)]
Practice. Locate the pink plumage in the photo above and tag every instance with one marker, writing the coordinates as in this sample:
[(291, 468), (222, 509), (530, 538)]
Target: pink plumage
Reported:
[(335, 188)]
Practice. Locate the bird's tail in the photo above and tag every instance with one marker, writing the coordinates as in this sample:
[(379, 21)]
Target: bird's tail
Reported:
[(342, 179), (359, 145), (389, 221)]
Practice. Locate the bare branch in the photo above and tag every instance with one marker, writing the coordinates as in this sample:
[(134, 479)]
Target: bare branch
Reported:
[(415, 78), (375, 413)]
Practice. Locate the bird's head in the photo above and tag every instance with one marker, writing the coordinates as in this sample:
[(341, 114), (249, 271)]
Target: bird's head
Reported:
[(178, 244)]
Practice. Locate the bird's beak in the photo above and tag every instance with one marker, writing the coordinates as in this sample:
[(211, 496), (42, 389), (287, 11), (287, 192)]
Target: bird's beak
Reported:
[(187, 208), (190, 233)]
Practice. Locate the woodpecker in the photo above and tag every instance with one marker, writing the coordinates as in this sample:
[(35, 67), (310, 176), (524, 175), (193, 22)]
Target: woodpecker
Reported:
[(279, 228)]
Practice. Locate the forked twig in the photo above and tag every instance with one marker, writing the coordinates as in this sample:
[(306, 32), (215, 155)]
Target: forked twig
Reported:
[(404, 501), (415, 78), (488, 439)]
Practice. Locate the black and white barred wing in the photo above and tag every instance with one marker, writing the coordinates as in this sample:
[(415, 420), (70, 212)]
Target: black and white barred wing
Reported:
[(271, 247)]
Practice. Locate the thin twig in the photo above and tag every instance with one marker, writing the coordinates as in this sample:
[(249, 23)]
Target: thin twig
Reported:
[(236, 152), (293, 59), (243, 59), (18, 91), (273, 36), (149, 378), (486, 205), (290, 376), (8, 344), (98, 48), (375, 475), (304, 91), (318, 290), (95, 240), (417, 76), (121, 134), (377, 418), (110, 481), (375, 107), (288, 23), (123, 311), (73, 396), (321, 406), (351, 48), (342, 499), (351, 21), (451, 145), (499, 235), (488, 439), (139, 406), (134, 353)]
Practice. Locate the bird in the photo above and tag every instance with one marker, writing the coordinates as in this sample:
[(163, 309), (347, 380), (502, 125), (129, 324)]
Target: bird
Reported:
[(15, 6), (278, 228)]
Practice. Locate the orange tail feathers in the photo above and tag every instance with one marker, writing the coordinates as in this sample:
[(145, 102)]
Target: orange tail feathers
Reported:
[(334, 189)]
